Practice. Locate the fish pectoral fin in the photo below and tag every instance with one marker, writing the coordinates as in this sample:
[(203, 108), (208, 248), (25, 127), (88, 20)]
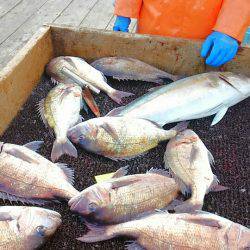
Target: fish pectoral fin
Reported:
[(89, 99), (84, 106), (203, 221), (34, 145), (158, 171), (22, 155), (227, 80), (4, 216), (122, 183), (215, 187), (185, 190), (173, 204), (67, 171), (115, 111), (110, 130), (120, 172), (219, 115), (41, 111), (97, 233), (133, 245), (210, 157)]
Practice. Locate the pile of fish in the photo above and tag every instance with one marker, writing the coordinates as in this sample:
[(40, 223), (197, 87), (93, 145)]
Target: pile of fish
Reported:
[(125, 205)]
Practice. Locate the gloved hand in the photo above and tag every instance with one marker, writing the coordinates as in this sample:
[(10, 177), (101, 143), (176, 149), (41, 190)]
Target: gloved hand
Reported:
[(222, 48), (122, 23)]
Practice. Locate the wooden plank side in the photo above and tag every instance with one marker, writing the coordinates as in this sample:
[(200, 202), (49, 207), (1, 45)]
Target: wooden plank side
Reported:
[(17, 16), (6, 6), (75, 12), (177, 56), (20, 76), (100, 16), (46, 14)]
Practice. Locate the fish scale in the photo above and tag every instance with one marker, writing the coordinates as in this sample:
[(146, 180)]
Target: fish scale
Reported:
[(129, 197), (27, 182), (161, 230), (8, 238)]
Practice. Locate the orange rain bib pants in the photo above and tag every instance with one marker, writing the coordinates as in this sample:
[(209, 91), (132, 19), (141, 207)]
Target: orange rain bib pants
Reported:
[(188, 18)]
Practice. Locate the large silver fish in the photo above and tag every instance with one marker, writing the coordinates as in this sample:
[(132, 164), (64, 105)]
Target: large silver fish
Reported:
[(26, 228), (123, 198), (126, 68), (189, 162), (161, 231), (69, 69), (28, 177), (60, 110), (189, 98), (120, 138)]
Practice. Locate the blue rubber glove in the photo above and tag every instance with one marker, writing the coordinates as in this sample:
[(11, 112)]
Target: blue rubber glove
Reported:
[(219, 49), (122, 23)]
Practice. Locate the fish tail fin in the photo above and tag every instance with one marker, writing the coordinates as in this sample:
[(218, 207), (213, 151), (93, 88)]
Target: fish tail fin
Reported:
[(97, 233), (168, 134), (189, 206), (181, 126), (63, 147), (118, 95)]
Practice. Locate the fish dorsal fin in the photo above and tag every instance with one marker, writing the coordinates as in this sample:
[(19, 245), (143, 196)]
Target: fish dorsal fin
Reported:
[(122, 183), (120, 172), (41, 112), (210, 157), (203, 221), (34, 145), (115, 111), (67, 171), (158, 171), (4, 216), (16, 152), (219, 115), (14, 198), (227, 80)]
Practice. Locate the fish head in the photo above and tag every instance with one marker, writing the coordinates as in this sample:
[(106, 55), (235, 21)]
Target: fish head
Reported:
[(37, 224), (92, 203), (55, 66), (187, 134), (34, 225), (185, 137), (85, 134)]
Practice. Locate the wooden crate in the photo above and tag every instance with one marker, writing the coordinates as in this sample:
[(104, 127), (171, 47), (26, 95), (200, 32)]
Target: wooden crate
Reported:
[(20, 76)]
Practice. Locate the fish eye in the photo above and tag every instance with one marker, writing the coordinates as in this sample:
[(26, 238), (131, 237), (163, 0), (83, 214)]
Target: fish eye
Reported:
[(40, 230), (92, 207)]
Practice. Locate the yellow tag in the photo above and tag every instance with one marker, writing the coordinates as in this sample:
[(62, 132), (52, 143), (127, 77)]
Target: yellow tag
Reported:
[(103, 177)]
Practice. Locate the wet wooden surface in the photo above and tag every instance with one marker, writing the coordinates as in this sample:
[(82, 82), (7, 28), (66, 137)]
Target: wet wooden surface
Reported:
[(20, 19)]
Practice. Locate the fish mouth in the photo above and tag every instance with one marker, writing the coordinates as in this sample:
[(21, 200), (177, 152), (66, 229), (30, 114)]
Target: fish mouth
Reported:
[(78, 206)]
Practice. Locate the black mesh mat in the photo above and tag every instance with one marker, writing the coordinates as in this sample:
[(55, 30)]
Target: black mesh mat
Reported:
[(228, 141)]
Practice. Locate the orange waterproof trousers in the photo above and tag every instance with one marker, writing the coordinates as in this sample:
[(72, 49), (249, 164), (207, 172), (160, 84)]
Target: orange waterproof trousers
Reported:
[(188, 18)]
